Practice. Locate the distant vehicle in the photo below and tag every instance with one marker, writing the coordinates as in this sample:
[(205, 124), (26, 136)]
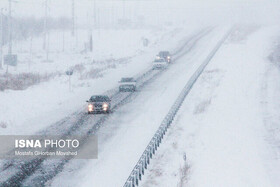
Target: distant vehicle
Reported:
[(127, 84), (99, 104), (166, 55), (160, 63)]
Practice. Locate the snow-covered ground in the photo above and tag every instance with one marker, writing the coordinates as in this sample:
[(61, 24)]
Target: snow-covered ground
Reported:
[(117, 53), (228, 125), (66, 50)]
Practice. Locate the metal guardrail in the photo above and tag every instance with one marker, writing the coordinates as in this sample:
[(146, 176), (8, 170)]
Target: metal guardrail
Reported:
[(139, 169)]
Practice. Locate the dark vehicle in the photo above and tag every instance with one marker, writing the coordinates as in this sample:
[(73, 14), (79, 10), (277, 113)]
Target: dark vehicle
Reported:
[(99, 104), (164, 54), (127, 84)]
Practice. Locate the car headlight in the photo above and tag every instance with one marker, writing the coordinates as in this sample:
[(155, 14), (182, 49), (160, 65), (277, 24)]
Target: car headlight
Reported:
[(90, 108), (105, 105), (168, 57)]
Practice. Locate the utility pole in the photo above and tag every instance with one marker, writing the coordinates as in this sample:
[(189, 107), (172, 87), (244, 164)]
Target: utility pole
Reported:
[(46, 32), (9, 33), (1, 39), (63, 40), (94, 13), (45, 25), (98, 21), (123, 9), (112, 14), (73, 18), (10, 27), (30, 51), (74, 31), (89, 44)]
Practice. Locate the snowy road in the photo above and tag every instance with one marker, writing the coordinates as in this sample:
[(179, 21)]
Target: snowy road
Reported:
[(139, 118)]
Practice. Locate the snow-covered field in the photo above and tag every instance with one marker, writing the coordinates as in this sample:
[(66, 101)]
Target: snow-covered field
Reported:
[(228, 125)]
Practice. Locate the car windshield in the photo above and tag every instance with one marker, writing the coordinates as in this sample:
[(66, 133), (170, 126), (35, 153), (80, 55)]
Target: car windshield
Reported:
[(99, 98), (159, 60), (129, 79), (163, 53)]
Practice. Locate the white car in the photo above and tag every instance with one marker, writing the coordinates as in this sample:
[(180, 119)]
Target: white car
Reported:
[(127, 84), (166, 55), (160, 63)]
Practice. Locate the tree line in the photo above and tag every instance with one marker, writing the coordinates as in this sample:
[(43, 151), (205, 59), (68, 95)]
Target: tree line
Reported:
[(23, 28)]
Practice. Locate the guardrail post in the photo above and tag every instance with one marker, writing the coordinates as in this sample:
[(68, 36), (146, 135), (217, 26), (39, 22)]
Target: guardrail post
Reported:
[(139, 173), (142, 164), (136, 178), (159, 139), (156, 144), (153, 148), (163, 130), (133, 181)]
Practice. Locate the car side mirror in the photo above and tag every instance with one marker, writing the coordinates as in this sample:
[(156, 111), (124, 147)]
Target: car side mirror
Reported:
[(87, 101)]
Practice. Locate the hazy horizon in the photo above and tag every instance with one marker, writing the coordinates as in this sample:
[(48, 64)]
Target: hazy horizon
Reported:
[(155, 11)]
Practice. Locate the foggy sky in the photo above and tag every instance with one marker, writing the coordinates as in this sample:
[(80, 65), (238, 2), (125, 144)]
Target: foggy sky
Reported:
[(197, 11)]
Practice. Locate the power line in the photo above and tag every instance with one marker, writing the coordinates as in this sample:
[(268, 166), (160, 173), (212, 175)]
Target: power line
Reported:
[(1, 39)]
